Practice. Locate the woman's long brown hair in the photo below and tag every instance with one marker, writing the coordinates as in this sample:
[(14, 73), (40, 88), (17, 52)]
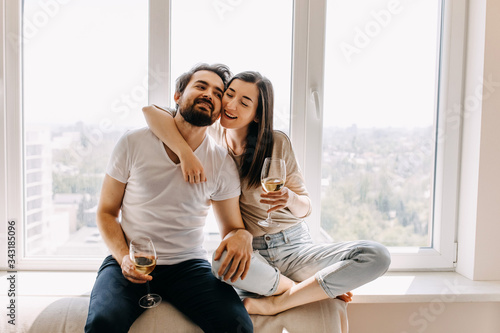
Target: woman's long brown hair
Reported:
[(259, 140)]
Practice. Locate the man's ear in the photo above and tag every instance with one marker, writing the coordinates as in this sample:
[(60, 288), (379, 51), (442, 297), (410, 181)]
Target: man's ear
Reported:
[(177, 95)]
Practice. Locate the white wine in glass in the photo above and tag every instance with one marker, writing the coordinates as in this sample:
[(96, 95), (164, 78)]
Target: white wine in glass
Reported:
[(143, 255), (272, 177)]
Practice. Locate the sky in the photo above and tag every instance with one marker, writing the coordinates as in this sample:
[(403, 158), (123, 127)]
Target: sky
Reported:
[(86, 60)]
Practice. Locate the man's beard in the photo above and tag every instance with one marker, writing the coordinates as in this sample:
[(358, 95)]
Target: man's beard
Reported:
[(196, 117)]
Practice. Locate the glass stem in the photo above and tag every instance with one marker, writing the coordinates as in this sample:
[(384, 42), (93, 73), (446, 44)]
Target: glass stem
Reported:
[(147, 288), (269, 214)]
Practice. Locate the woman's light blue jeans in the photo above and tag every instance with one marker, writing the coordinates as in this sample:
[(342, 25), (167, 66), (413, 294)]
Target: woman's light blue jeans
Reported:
[(338, 267)]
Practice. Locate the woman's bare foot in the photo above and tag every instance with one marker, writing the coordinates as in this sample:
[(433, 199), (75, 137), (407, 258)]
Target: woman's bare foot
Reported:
[(270, 305), (305, 292), (261, 306), (347, 297)]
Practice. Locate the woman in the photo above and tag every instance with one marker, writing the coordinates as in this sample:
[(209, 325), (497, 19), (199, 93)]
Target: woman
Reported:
[(320, 270)]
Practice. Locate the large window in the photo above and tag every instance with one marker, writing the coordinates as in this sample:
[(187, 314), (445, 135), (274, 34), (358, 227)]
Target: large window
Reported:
[(245, 35), (373, 124), (379, 121), (85, 77), (363, 89), (239, 34)]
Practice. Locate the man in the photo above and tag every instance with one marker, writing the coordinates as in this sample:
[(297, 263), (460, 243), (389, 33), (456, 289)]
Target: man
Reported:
[(144, 182)]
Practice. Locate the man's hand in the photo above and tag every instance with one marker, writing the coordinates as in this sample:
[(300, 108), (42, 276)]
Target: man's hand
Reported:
[(131, 274), (238, 245)]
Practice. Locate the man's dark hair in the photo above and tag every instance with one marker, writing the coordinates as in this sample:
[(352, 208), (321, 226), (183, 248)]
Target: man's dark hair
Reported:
[(221, 70)]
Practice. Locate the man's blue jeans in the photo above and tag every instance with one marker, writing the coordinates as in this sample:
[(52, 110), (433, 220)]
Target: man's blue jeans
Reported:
[(189, 286), (338, 267)]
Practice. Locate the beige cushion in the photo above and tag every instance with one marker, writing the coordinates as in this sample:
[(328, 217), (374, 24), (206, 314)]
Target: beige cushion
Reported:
[(67, 315)]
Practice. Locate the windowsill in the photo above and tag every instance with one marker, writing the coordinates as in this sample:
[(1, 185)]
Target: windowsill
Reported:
[(415, 287), (394, 287)]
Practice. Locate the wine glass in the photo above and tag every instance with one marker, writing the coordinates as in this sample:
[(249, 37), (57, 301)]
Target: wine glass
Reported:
[(273, 179), (143, 255)]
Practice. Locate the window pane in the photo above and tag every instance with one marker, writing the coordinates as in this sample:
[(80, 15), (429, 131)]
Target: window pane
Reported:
[(245, 35), (379, 120), (84, 79)]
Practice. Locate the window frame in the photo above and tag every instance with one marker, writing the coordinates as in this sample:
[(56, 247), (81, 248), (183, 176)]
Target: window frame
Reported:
[(306, 128), (11, 144), (305, 124), (11, 153)]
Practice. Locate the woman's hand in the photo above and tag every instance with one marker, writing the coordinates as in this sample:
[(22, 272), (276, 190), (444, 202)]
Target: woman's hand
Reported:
[(278, 200), (162, 124), (192, 169)]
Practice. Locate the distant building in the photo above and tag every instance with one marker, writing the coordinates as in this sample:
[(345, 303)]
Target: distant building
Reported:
[(38, 190), (68, 203)]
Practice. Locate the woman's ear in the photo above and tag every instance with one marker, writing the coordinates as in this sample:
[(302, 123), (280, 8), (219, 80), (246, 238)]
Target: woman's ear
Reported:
[(256, 119)]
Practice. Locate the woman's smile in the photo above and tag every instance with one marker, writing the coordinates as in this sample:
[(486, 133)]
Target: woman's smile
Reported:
[(229, 115)]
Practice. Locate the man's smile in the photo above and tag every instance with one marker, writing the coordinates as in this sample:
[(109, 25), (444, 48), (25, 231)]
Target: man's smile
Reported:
[(205, 103)]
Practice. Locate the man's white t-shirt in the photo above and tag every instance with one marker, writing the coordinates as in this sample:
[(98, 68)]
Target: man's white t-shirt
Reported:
[(158, 202)]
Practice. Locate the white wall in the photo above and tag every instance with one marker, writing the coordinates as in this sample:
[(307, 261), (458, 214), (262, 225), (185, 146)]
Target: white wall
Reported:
[(488, 212), (424, 317), (479, 212)]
